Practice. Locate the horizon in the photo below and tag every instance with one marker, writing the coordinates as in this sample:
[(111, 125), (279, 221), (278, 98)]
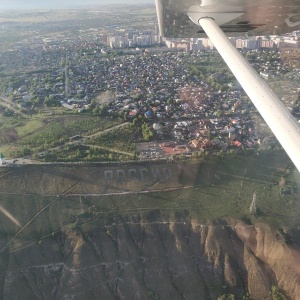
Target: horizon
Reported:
[(6, 5)]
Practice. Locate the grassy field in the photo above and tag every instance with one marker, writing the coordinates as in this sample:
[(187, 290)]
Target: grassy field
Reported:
[(75, 153), (122, 139), (12, 37), (205, 194), (229, 197), (26, 128), (53, 129), (45, 131)]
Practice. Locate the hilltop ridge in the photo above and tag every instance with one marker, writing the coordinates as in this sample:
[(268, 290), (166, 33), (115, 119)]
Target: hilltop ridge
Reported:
[(148, 231)]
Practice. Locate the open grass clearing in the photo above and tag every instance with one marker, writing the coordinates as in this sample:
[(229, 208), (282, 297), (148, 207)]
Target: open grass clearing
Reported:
[(122, 139), (68, 126), (47, 131), (29, 127)]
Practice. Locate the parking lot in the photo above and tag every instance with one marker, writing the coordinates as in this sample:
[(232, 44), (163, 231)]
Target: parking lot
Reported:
[(149, 150)]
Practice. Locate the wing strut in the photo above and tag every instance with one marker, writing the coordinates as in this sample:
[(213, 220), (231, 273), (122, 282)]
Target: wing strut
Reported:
[(276, 115)]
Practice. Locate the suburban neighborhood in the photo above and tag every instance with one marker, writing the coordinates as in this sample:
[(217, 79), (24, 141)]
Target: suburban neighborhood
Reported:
[(179, 93)]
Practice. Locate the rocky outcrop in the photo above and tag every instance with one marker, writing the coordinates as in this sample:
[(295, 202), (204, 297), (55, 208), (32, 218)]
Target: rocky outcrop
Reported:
[(161, 259), (144, 231)]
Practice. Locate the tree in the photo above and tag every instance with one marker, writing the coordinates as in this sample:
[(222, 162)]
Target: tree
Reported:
[(35, 156), (218, 113), (147, 133), (232, 152), (221, 153), (93, 104), (7, 112), (218, 86), (51, 101), (246, 296), (36, 100), (26, 151), (209, 135), (103, 110), (276, 294), (96, 110), (226, 297), (170, 101), (135, 121)]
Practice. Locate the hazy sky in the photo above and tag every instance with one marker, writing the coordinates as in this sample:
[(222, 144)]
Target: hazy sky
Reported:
[(57, 4)]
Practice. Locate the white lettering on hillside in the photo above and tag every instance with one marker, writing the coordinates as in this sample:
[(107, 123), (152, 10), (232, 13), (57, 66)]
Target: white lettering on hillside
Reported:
[(156, 173)]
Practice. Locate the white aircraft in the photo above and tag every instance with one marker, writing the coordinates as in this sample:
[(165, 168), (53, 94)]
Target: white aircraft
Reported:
[(193, 18)]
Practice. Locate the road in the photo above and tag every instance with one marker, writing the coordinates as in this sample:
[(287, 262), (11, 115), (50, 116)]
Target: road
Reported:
[(66, 80), (106, 130), (21, 161)]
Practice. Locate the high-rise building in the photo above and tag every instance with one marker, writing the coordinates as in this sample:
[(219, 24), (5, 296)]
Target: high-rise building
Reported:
[(207, 43), (105, 39), (265, 43)]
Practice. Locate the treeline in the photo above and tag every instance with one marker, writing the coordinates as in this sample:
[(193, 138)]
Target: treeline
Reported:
[(75, 153)]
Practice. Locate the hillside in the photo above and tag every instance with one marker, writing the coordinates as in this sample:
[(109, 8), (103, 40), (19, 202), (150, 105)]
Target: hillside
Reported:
[(149, 231)]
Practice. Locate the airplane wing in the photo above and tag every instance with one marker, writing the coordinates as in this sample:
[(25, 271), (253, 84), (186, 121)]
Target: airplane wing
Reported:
[(254, 17)]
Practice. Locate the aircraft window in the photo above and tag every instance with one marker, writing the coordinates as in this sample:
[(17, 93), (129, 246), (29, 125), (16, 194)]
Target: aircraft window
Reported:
[(134, 165)]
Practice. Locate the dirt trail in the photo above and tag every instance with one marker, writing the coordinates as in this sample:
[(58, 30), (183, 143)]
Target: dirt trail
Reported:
[(11, 105)]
